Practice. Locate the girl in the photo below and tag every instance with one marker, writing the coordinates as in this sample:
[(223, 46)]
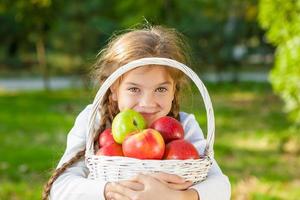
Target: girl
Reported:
[(153, 91)]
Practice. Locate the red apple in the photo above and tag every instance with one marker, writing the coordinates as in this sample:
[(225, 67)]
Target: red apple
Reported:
[(106, 138), (169, 128), (112, 149), (145, 144), (180, 150)]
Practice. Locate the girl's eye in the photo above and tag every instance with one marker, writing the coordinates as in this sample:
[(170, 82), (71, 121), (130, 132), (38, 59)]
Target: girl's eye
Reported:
[(161, 89), (134, 89)]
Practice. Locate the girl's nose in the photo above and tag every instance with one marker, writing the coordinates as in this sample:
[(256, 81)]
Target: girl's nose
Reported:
[(147, 100)]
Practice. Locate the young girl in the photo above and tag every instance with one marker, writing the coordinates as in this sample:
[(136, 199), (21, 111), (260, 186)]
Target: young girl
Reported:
[(153, 91)]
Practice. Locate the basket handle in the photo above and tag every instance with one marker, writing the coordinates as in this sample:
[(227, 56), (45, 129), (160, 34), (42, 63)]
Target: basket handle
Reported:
[(153, 61)]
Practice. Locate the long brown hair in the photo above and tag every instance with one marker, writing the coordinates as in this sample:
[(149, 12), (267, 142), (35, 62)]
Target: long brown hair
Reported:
[(150, 41)]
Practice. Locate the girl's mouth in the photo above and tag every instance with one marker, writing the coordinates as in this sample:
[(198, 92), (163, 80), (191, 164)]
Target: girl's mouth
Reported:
[(147, 115)]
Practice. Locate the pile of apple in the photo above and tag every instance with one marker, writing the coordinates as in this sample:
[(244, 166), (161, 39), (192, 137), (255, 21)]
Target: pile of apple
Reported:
[(130, 137)]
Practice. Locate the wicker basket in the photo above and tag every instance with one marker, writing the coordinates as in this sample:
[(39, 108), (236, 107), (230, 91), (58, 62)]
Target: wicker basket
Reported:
[(121, 168)]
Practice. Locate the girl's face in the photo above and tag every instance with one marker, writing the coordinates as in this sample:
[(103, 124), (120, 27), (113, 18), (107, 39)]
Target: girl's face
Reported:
[(147, 90)]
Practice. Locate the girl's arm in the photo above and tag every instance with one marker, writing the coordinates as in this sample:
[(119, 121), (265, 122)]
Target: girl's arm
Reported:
[(73, 183), (217, 185)]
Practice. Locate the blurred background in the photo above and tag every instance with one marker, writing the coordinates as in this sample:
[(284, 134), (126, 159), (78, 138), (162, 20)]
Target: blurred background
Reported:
[(247, 53)]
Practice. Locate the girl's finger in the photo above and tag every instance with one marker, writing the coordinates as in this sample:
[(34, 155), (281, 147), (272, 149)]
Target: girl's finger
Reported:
[(132, 185), (116, 196), (145, 179), (180, 186), (170, 178), (122, 190)]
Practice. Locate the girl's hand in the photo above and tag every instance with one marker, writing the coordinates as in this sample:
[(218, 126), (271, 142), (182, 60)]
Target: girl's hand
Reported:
[(133, 185), (172, 181), (153, 189)]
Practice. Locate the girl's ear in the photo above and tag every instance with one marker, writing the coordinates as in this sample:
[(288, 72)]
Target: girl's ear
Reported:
[(113, 92), (114, 89), (174, 91)]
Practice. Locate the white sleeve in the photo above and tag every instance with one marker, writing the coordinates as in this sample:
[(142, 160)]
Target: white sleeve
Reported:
[(73, 184), (217, 185)]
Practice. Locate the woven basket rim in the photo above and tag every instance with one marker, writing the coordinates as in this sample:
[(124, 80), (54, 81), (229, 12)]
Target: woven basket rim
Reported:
[(205, 157)]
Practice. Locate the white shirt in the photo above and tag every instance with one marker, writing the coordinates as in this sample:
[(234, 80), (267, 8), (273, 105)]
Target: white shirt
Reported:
[(73, 184)]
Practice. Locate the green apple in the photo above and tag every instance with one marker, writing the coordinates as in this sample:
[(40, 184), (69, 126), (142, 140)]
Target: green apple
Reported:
[(126, 122)]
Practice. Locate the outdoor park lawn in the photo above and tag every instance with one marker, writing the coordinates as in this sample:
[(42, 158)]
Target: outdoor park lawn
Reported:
[(254, 145)]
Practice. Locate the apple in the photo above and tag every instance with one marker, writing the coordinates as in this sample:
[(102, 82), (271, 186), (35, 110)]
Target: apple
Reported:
[(180, 150), (106, 138), (169, 127), (145, 144), (125, 122), (112, 149)]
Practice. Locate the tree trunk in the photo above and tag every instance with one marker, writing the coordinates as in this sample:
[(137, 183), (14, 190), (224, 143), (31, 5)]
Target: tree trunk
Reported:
[(41, 55)]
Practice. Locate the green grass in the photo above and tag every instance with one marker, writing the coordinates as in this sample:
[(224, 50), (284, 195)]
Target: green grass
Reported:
[(254, 145)]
